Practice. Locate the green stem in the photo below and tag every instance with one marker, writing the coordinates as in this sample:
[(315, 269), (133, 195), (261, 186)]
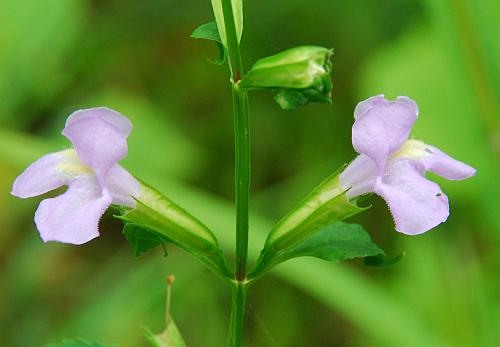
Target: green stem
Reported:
[(242, 142), (239, 294), (242, 177)]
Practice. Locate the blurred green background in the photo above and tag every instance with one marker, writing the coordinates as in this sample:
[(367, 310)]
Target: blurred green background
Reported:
[(57, 56)]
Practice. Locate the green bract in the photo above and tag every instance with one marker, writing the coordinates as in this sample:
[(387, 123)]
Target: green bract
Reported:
[(382, 260), (209, 31), (334, 242), (298, 76), (142, 239), (156, 219)]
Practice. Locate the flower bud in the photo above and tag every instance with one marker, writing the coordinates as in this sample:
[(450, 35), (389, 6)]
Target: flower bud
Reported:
[(298, 76)]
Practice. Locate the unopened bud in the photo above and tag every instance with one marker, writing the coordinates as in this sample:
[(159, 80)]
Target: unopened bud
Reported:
[(298, 76)]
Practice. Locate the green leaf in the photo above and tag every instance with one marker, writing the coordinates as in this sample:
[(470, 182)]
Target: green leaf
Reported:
[(237, 6), (335, 242), (155, 213), (170, 337), (78, 343), (143, 239), (209, 31), (383, 260)]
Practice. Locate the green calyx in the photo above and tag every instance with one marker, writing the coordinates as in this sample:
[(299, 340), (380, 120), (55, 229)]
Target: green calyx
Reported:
[(296, 68), (157, 220), (325, 205)]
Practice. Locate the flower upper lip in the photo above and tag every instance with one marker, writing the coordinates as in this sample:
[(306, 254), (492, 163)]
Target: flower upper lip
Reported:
[(99, 136), (382, 126)]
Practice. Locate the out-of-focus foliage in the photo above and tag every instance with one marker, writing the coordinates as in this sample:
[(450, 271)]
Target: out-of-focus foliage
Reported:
[(137, 57), (76, 343)]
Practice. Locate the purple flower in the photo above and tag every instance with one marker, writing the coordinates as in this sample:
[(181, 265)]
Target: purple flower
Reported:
[(90, 170), (393, 166)]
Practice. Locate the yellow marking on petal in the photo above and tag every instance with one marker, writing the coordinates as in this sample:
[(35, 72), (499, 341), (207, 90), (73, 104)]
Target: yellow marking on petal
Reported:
[(71, 164), (413, 149)]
